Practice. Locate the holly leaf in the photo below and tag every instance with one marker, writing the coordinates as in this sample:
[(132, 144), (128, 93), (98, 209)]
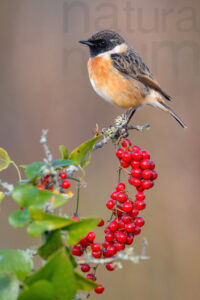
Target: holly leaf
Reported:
[(83, 283), (4, 159), (19, 218), (16, 262), (26, 195), (64, 152), (77, 230), (81, 155), (53, 243), (45, 222), (9, 287), (40, 290), (60, 273)]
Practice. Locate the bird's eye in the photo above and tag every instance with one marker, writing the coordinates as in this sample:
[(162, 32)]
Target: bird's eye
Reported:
[(102, 43)]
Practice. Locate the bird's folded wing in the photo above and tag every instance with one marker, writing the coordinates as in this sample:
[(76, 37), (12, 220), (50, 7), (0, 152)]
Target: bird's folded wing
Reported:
[(130, 64)]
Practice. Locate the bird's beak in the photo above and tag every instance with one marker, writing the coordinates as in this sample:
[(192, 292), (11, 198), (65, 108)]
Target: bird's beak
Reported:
[(86, 43)]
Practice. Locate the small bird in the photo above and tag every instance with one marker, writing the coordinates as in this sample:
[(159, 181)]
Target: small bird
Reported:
[(119, 75)]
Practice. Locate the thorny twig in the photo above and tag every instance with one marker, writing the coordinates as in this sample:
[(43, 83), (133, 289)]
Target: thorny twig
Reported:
[(120, 129)]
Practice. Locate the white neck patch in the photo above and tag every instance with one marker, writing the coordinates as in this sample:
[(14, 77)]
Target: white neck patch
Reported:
[(118, 49)]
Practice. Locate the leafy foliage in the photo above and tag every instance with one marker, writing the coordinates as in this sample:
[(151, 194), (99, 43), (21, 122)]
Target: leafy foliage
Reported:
[(4, 159)]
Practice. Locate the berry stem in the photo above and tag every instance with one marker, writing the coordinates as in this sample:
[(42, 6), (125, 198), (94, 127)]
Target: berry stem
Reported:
[(18, 171), (73, 178), (77, 199)]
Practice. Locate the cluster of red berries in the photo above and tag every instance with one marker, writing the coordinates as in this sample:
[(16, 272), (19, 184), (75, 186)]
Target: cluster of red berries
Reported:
[(47, 182), (124, 223)]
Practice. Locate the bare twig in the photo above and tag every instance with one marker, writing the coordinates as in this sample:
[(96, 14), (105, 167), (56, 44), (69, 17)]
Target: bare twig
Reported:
[(48, 156)]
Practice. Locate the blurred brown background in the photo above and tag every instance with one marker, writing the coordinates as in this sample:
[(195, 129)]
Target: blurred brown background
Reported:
[(44, 84)]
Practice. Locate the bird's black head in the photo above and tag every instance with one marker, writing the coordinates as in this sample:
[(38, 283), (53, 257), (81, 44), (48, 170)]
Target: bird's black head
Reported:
[(103, 41)]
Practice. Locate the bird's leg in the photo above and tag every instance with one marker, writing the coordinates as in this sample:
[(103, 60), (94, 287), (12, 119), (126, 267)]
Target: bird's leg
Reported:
[(139, 127), (132, 111)]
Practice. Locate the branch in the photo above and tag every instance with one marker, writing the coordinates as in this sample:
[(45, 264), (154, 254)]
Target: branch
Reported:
[(7, 186), (118, 130)]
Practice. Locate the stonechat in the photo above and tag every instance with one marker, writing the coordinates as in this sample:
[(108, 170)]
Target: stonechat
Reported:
[(119, 75)]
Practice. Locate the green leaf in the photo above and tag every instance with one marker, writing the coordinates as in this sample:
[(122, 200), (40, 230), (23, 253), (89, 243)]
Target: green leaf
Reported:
[(9, 287), (83, 283), (53, 243), (33, 169), (40, 290), (19, 218), (77, 230), (45, 222), (27, 195), (4, 159), (59, 271), (64, 152), (39, 168), (81, 155), (16, 262), (2, 195)]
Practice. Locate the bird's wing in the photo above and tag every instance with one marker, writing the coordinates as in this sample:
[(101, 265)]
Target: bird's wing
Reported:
[(130, 64)]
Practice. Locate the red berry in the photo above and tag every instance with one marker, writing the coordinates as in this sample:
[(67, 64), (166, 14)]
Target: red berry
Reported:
[(121, 237), (146, 174), (91, 276), (41, 187), (137, 230), (140, 196), (119, 246), (120, 187), (152, 165), (126, 156), (76, 250), (110, 266), (124, 164), (135, 164), (129, 239), (136, 148), (145, 164), (66, 184), (127, 206), (140, 188), (135, 181), (101, 223), (21, 208), (137, 155), (124, 144), (99, 289), (121, 197), (147, 184), (84, 242), (145, 154), (154, 175), (85, 268), (119, 153), (114, 195), (134, 212), (90, 236), (63, 175), (110, 204), (140, 204), (45, 180), (109, 237), (121, 224), (96, 247), (106, 244), (137, 172), (113, 226), (97, 254), (111, 250), (126, 218), (130, 227), (139, 221)]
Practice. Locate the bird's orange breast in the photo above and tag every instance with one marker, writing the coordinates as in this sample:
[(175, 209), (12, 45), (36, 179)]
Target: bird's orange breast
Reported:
[(112, 85)]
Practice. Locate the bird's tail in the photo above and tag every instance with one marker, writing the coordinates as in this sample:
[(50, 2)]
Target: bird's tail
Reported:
[(165, 107)]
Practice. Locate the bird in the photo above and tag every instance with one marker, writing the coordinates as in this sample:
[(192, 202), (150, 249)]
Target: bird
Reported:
[(119, 75)]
